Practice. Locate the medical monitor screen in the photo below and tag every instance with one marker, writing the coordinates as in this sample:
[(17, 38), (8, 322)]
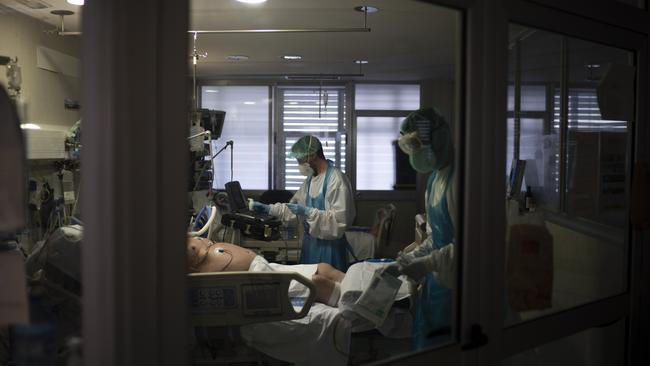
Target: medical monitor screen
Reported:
[(236, 197), (212, 120)]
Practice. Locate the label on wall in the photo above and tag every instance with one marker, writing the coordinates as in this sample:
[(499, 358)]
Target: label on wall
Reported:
[(51, 60)]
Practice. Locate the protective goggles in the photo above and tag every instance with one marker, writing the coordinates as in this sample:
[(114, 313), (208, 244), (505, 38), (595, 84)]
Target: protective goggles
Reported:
[(409, 143)]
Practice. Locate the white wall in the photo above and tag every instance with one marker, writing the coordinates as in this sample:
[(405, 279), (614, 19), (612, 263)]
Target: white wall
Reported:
[(42, 91)]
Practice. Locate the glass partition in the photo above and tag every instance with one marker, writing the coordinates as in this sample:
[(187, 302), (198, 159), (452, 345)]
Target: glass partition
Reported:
[(593, 347), (570, 107), (40, 259)]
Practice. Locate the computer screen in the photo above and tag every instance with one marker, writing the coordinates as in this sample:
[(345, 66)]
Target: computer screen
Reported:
[(236, 197), (212, 120)]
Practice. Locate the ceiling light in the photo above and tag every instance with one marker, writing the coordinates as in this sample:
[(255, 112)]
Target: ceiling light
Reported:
[(249, 103), (237, 57), (252, 1), (30, 126), (75, 2), (361, 62), (292, 57), (312, 77), (211, 91), (366, 9)]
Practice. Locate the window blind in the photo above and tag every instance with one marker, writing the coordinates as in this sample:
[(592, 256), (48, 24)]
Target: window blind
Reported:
[(311, 111), (247, 124)]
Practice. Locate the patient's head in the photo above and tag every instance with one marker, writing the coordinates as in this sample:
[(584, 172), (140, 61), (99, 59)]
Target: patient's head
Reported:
[(197, 252)]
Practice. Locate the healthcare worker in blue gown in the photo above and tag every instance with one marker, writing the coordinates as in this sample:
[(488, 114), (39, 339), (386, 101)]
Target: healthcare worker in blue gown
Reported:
[(324, 203), (426, 138)]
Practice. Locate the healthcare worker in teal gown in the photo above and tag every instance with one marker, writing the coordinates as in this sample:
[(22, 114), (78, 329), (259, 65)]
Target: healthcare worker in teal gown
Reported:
[(426, 138), (324, 203)]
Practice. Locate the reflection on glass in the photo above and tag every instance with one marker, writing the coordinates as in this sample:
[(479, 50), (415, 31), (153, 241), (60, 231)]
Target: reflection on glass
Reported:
[(597, 146), (568, 173), (40, 252), (593, 347)]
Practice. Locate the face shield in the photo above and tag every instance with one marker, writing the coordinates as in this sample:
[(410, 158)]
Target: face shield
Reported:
[(426, 138), (409, 143)]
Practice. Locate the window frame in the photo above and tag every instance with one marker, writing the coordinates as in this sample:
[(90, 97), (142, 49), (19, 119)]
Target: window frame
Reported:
[(526, 335), (274, 163), (376, 194), (277, 155)]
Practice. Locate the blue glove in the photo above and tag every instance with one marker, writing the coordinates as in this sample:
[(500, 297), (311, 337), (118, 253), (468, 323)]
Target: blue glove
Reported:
[(261, 207), (298, 209)]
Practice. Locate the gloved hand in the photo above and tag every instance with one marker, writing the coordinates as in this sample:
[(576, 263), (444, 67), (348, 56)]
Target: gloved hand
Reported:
[(416, 268), (261, 207), (298, 209)]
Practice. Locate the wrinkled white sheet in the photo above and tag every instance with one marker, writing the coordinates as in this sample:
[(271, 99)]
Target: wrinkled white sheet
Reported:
[(323, 336)]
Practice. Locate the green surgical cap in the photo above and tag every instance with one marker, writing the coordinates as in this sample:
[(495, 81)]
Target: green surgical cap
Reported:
[(424, 121), (306, 145)]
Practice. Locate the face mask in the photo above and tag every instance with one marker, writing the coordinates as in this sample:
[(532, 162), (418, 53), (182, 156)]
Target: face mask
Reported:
[(305, 169), (434, 156), (424, 160)]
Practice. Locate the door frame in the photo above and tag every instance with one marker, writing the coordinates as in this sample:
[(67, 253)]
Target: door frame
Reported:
[(626, 306), (134, 204)]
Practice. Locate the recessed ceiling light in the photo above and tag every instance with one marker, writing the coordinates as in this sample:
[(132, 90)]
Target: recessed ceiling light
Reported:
[(252, 1), (366, 9), (361, 62), (249, 103), (75, 2), (237, 57), (292, 57), (211, 91)]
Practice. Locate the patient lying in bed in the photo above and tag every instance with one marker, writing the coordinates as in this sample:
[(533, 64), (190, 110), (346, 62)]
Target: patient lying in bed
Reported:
[(327, 329), (204, 255)]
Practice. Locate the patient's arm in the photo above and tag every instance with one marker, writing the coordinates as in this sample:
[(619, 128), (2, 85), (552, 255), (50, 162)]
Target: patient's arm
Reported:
[(204, 255)]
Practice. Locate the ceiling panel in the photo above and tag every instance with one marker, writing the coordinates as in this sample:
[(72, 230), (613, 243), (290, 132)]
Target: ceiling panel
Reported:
[(409, 40)]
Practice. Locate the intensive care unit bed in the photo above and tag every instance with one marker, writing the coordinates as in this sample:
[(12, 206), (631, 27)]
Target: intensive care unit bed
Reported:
[(234, 312)]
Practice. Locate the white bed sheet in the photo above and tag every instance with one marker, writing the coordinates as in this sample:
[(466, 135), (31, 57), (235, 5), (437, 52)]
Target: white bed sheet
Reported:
[(323, 336)]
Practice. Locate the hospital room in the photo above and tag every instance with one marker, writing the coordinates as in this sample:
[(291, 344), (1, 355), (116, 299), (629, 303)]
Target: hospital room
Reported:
[(305, 182)]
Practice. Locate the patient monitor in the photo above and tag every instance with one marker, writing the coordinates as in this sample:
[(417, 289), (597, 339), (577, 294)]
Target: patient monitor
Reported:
[(238, 298)]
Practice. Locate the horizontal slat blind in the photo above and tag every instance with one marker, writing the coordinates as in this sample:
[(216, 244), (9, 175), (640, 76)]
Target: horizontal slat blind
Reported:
[(312, 111), (584, 113)]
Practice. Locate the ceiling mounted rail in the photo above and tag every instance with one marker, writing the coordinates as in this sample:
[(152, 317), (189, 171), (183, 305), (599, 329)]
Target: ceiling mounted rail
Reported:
[(289, 30), (323, 77), (244, 31)]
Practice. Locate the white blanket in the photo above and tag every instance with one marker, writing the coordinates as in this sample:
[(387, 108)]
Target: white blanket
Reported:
[(323, 336)]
